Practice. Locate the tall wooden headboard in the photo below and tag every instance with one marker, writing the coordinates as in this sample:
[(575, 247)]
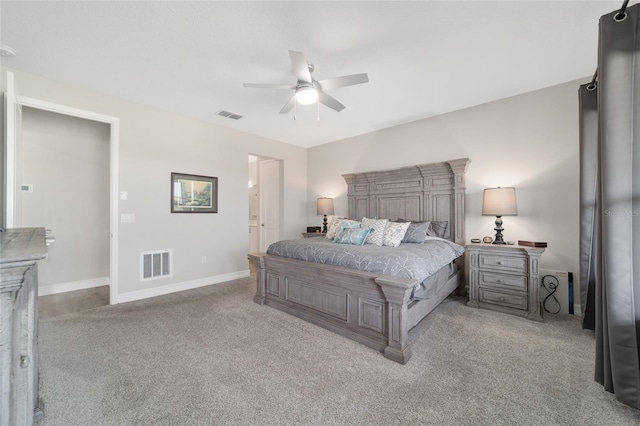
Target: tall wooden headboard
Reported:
[(433, 191)]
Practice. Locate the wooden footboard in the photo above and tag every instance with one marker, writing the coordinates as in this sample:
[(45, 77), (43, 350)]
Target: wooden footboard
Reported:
[(371, 309)]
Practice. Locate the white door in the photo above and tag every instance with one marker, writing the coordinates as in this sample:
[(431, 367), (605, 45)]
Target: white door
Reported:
[(269, 181), (254, 245), (12, 154)]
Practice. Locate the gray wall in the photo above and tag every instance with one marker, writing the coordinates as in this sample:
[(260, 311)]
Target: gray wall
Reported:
[(528, 141), (66, 160), (154, 143)]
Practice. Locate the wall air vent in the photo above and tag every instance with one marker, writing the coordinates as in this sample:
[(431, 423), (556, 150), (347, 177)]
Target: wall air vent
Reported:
[(155, 264), (228, 114)]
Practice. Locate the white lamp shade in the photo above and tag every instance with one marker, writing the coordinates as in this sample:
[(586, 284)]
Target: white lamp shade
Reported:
[(325, 206), (499, 202), (306, 95)]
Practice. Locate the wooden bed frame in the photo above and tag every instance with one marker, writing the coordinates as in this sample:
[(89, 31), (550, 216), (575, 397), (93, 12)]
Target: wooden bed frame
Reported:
[(372, 309)]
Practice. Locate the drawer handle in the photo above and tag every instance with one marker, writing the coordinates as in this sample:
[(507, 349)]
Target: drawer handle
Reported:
[(502, 299), (501, 282), (499, 262), (25, 361)]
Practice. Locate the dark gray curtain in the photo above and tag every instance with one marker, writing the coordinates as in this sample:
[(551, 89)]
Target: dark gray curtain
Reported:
[(613, 268), (588, 95)]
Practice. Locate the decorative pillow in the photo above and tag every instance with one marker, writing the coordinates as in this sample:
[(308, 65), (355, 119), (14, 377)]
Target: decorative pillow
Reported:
[(355, 236), (394, 233), (333, 227), (417, 232), (376, 236), (438, 229), (337, 223)]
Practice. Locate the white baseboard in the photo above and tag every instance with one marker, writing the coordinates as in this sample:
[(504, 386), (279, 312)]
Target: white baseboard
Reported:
[(186, 285), (72, 286)]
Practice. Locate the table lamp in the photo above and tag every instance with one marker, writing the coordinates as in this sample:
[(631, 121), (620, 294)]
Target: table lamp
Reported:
[(325, 207), (499, 202)]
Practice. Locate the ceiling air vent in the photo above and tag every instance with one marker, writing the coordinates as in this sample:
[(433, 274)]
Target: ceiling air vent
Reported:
[(228, 114)]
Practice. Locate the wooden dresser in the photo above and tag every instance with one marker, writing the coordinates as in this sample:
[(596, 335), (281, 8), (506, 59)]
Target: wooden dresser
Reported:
[(20, 250), (505, 278)]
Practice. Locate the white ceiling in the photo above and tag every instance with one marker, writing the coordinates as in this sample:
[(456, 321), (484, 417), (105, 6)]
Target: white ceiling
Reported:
[(423, 58)]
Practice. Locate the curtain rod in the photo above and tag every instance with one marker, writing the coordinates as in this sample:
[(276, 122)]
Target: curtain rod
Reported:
[(593, 83), (624, 6), (618, 17)]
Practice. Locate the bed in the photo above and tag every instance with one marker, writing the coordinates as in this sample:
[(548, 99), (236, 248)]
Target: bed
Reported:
[(373, 308)]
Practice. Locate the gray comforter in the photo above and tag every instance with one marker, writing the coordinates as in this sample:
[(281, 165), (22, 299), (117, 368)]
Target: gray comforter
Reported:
[(417, 261)]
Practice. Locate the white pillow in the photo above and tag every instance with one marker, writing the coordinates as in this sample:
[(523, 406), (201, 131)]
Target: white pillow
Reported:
[(376, 236), (394, 233)]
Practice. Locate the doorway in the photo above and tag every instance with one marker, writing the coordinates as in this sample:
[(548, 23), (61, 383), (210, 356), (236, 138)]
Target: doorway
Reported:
[(265, 202), (64, 187), (13, 164)]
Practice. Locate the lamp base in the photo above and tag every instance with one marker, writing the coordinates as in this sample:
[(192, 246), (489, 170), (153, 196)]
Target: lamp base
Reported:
[(498, 239), (324, 224)]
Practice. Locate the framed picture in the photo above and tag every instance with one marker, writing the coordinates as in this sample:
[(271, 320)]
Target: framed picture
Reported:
[(193, 194)]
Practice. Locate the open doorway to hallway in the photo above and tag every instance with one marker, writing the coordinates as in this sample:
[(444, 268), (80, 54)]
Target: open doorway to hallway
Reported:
[(64, 187), (265, 202)]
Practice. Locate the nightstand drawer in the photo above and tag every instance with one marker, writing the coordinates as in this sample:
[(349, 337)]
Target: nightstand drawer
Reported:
[(504, 263), (503, 299), (510, 282)]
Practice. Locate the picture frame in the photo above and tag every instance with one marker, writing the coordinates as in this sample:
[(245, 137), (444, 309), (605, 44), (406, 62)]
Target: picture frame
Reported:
[(193, 193)]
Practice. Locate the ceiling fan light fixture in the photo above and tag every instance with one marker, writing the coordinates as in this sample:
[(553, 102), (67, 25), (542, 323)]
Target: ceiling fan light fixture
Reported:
[(306, 95)]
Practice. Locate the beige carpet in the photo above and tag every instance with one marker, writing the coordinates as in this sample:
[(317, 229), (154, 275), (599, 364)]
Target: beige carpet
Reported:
[(211, 356)]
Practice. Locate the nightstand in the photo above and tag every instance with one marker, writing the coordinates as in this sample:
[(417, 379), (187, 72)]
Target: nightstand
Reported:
[(313, 234), (505, 278)]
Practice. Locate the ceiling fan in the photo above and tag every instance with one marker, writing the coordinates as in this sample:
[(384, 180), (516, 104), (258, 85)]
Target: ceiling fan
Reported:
[(308, 90)]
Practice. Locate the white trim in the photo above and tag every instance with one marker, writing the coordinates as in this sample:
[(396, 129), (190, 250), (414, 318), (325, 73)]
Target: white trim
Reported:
[(114, 149), (72, 286), (64, 110), (577, 310), (114, 188), (186, 285), (10, 152)]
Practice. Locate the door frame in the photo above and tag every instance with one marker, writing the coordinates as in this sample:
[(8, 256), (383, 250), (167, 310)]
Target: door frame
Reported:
[(114, 145), (280, 196)]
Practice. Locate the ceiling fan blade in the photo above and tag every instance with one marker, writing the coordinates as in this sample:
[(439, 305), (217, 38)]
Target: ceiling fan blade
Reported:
[(345, 80), (269, 86), (330, 102), (287, 107), (300, 66)]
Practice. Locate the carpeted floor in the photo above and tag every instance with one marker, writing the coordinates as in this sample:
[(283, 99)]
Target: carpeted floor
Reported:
[(211, 356)]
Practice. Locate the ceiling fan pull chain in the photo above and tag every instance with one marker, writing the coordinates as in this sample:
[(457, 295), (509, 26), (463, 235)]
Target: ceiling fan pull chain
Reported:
[(295, 108), (318, 111)]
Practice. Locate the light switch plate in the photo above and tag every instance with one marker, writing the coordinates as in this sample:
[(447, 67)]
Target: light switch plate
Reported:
[(127, 217)]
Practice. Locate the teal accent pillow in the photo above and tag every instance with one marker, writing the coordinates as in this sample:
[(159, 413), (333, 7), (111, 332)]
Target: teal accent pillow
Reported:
[(355, 236), (337, 224)]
